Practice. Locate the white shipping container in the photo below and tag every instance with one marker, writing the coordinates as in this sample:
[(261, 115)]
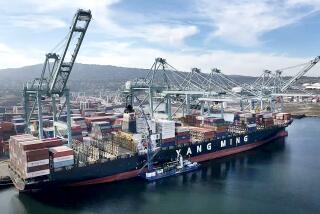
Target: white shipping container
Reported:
[(60, 149), (142, 126), (37, 163), (167, 136), (267, 115), (37, 173), (167, 133), (181, 129)]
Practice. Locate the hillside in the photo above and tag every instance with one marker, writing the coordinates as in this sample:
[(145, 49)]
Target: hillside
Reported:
[(90, 78)]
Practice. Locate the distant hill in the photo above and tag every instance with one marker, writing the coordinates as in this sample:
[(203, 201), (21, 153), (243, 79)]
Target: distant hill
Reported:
[(89, 77), (79, 72), (83, 75)]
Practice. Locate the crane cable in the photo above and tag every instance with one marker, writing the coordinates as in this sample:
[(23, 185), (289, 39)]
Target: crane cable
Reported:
[(60, 44), (295, 66)]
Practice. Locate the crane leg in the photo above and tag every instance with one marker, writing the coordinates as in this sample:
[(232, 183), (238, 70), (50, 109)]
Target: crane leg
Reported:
[(68, 118), (151, 102), (40, 115), (54, 115), (222, 111), (202, 108)]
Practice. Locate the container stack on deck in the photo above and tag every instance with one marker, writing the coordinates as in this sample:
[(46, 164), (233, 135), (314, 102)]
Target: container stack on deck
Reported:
[(142, 125), (90, 120), (267, 120), (129, 122), (102, 138), (191, 120), (218, 125), (101, 130), (166, 128), (285, 117), (126, 140), (201, 134), (30, 156), (247, 118), (61, 156), (80, 121), (246, 121), (250, 121), (183, 135)]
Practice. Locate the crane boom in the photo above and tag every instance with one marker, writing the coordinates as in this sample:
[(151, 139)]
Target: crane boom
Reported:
[(300, 74), (59, 77)]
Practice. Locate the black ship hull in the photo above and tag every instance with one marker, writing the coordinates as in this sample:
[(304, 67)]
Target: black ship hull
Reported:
[(130, 166)]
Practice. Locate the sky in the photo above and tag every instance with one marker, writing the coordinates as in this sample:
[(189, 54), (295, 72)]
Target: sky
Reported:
[(237, 36)]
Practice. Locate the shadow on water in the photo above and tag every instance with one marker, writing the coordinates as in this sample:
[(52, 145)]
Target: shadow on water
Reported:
[(132, 194)]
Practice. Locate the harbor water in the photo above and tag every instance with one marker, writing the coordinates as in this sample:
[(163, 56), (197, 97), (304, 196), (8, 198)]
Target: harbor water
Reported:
[(281, 177)]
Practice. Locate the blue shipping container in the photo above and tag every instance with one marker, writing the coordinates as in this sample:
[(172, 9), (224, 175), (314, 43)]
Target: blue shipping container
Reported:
[(63, 163)]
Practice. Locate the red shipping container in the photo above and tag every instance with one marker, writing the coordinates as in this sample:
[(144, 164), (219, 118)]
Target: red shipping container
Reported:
[(61, 151), (168, 140), (183, 141), (6, 126), (182, 133), (38, 157), (35, 155), (52, 142), (32, 145)]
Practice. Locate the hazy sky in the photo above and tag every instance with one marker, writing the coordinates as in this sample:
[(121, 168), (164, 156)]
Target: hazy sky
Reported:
[(237, 36)]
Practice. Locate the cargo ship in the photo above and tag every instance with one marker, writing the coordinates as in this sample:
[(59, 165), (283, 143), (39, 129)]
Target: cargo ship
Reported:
[(117, 150), (106, 147)]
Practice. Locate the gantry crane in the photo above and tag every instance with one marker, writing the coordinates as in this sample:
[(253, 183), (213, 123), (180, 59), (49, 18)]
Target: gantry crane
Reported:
[(272, 85), (54, 77), (300, 74)]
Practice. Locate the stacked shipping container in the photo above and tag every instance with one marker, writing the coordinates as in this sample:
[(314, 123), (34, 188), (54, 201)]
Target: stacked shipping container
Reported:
[(80, 121), (61, 156), (267, 120), (166, 128), (201, 134), (129, 122), (101, 130), (218, 125), (126, 140), (182, 135), (30, 156)]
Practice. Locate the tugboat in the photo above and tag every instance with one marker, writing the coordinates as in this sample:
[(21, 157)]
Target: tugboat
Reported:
[(174, 168)]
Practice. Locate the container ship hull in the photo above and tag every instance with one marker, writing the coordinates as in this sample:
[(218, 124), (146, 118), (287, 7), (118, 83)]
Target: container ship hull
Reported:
[(130, 166)]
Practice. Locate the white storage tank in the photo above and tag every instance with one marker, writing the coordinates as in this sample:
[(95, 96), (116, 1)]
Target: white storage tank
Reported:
[(236, 90), (128, 85)]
